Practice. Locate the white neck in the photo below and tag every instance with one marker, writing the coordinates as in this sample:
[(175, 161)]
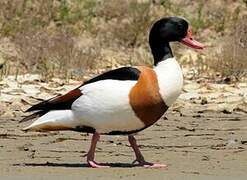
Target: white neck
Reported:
[(170, 79)]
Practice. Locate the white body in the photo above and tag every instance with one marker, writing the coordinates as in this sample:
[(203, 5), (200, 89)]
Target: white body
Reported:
[(104, 105)]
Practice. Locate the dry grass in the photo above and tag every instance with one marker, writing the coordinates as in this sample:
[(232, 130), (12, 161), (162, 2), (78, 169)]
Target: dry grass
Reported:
[(55, 55), (69, 38), (129, 21), (230, 60)]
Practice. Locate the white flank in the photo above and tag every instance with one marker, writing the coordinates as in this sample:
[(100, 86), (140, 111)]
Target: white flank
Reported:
[(103, 106), (170, 79)]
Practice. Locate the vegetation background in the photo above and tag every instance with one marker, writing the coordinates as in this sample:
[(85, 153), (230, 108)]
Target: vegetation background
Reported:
[(74, 38)]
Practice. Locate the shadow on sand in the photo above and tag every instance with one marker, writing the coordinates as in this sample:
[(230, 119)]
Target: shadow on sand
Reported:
[(75, 165)]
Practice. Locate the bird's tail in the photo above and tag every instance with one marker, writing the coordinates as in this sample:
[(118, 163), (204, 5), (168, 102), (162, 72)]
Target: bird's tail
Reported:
[(52, 121), (33, 116)]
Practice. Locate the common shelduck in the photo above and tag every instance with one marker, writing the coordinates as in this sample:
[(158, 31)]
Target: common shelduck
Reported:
[(121, 101)]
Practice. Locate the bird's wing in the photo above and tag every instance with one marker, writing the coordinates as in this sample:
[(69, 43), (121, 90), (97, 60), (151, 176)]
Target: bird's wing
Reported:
[(63, 102)]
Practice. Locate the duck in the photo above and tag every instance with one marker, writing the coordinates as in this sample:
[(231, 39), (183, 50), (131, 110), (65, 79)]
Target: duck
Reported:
[(122, 101)]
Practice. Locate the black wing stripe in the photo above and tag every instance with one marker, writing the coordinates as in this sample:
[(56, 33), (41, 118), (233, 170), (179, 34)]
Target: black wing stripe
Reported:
[(124, 73)]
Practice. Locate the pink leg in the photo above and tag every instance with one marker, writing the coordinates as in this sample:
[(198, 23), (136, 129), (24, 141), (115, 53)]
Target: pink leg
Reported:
[(139, 157), (91, 152)]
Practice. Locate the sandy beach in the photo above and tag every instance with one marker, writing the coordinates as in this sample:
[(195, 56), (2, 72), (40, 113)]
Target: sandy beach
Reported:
[(193, 145)]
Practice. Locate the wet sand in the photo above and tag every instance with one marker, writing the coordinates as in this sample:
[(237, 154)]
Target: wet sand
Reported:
[(194, 145)]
